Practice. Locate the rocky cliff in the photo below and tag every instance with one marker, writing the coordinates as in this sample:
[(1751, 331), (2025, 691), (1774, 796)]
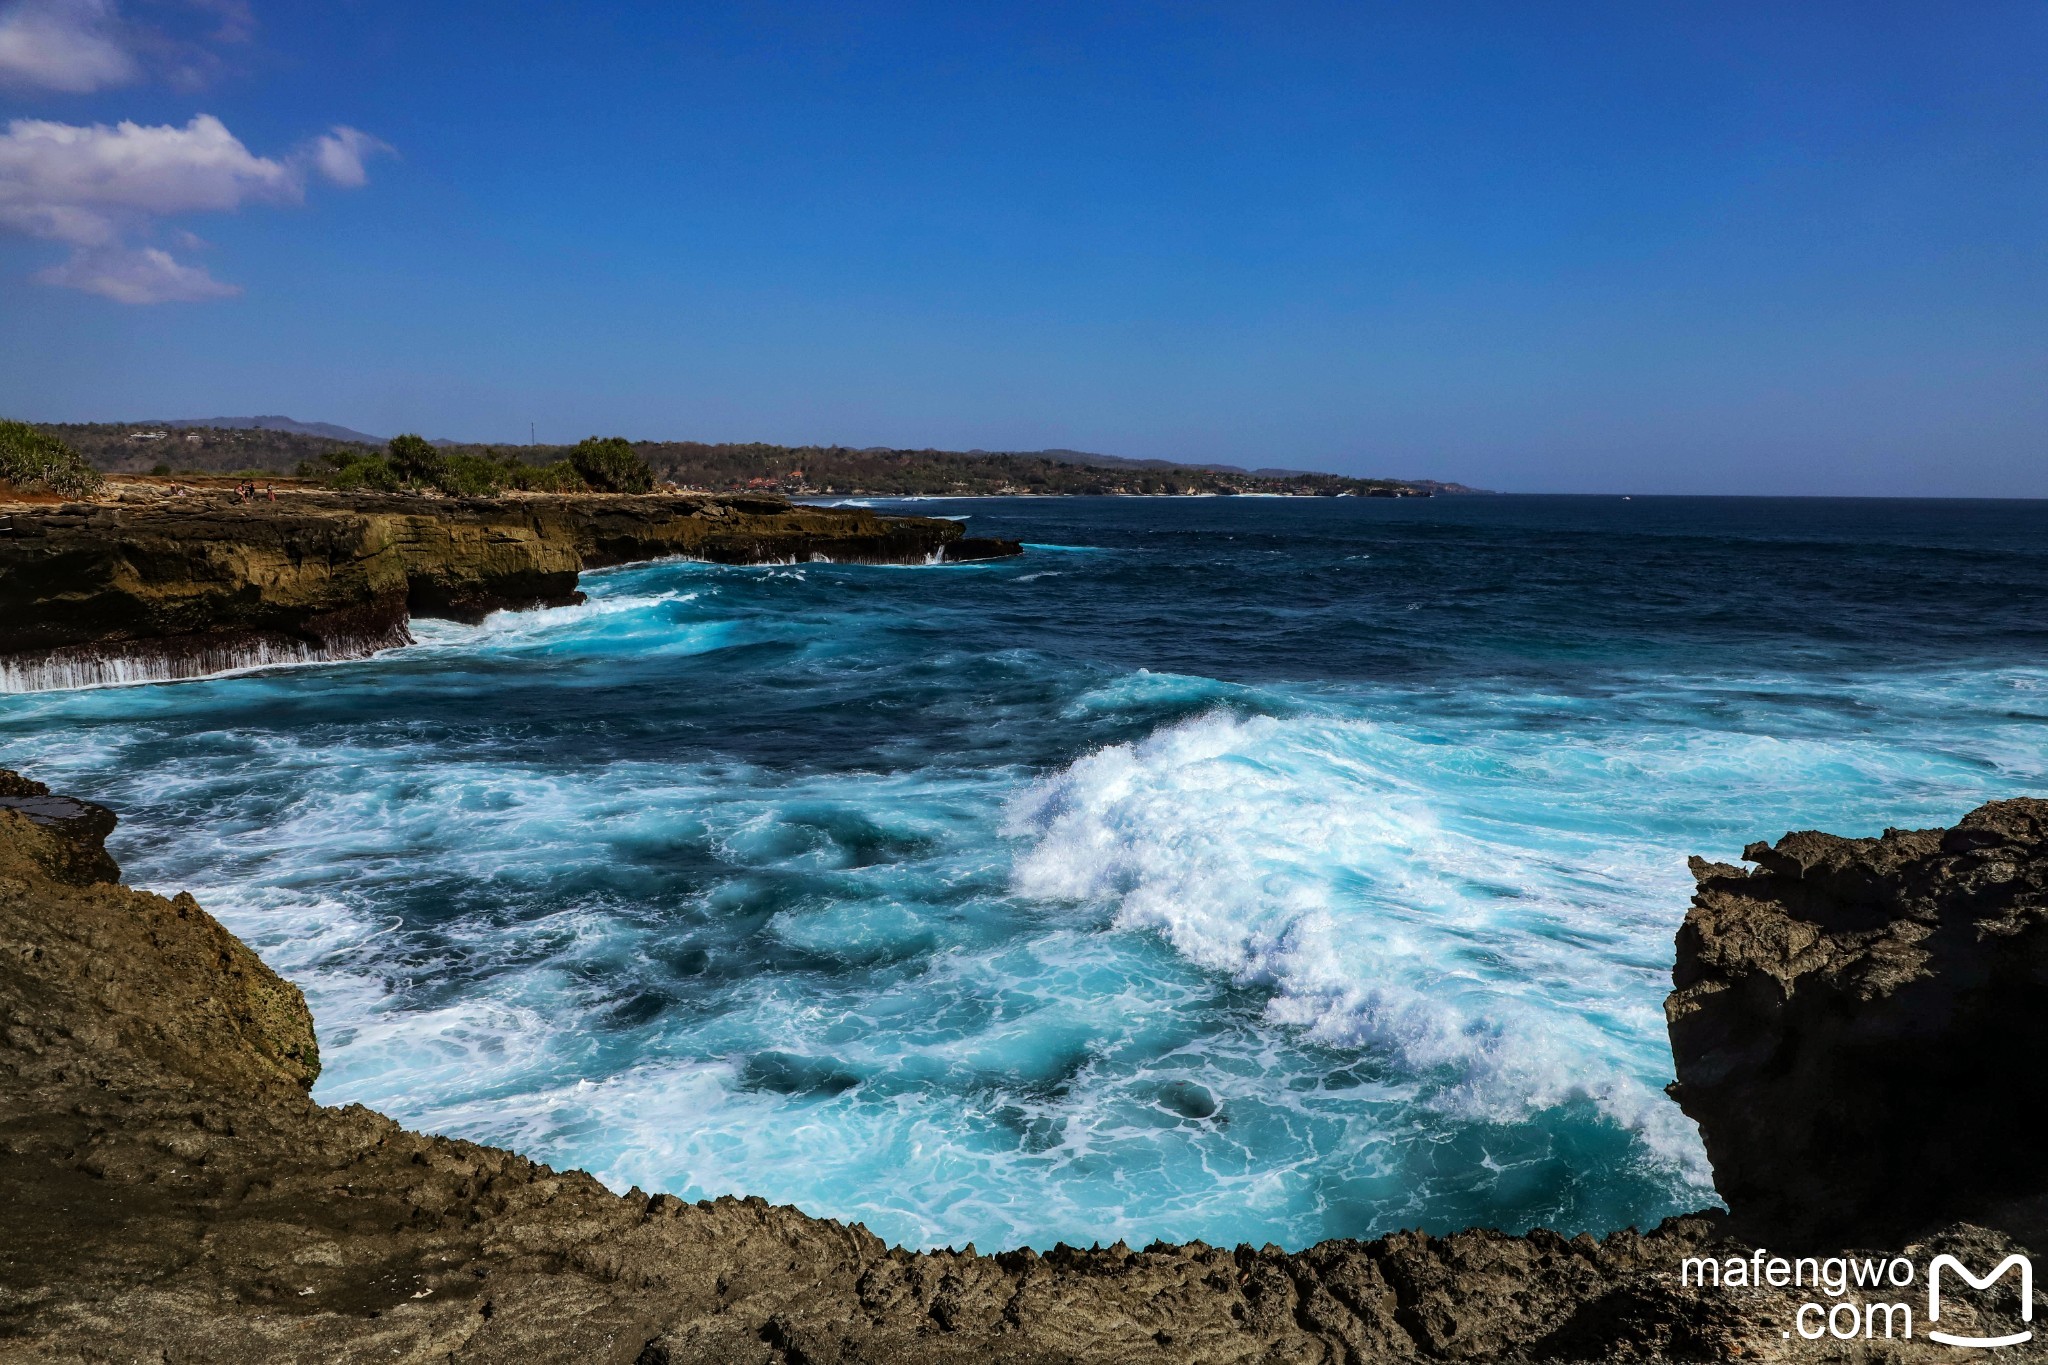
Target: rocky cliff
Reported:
[(170, 1193), (1855, 1024), (145, 584)]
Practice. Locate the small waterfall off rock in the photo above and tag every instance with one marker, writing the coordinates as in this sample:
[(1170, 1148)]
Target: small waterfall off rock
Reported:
[(148, 661)]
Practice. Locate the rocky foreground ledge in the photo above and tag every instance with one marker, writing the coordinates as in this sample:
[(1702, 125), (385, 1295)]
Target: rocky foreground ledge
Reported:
[(144, 584), (170, 1193), (1858, 1026)]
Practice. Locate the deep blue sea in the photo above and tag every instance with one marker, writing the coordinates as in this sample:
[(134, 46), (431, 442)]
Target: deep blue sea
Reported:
[(1242, 869)]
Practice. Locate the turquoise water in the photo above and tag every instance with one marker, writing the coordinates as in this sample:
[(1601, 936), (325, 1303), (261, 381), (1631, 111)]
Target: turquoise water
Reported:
[(1242, 869)]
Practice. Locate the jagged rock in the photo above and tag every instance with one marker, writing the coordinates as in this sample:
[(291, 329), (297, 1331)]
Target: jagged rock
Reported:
[(14, 784), (70, 841), (1855, 1023), (104, 983)]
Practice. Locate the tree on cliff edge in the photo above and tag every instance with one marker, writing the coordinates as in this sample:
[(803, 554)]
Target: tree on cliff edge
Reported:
[(611, 465)]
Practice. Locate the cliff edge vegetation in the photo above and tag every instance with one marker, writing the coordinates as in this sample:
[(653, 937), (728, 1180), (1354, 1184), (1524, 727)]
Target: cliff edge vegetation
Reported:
[(34, 462)]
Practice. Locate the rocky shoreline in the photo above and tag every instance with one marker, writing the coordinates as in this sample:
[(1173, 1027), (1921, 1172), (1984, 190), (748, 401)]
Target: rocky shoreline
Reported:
[(171, 1193), (144, 584)]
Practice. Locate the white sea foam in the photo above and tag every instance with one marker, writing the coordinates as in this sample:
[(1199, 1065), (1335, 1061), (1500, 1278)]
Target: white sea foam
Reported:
[(1482, 911), (1293, 856), (539, 623)]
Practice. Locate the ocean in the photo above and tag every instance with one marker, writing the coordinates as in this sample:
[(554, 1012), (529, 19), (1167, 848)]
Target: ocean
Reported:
[(1242, 869)]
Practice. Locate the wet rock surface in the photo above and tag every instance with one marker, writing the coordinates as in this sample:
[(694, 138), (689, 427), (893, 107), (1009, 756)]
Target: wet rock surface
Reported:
[(76, 852), (183, 586), (169, 1192), (1855, 1022)]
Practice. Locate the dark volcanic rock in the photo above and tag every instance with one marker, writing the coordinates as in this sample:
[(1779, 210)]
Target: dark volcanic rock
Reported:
[(1855, 1022)]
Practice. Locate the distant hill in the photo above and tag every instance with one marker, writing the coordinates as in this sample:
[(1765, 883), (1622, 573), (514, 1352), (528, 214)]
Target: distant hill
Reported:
[(272, 423), (281, 445), (193, 447), (1095, 461), (881, 471)]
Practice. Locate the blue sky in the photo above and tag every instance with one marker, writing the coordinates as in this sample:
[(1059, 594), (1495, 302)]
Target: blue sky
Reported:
[(1652, 248)]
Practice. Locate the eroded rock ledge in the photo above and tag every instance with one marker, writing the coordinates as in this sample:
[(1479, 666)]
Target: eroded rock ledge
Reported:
[(169, 1192), (1857, 1022), (142, 585)]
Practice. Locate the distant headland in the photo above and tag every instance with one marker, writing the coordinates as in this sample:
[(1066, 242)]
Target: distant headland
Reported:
[(280, 445), (128, 578)]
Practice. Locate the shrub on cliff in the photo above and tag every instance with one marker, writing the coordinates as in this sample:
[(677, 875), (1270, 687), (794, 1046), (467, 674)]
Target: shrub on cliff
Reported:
[(352, 470), (611, 465), (473, 475), (559, 477), (461, 473), (414, 460), (35, 461), (408, 462)]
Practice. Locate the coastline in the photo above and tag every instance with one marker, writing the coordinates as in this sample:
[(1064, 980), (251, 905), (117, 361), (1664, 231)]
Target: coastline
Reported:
[(834, 499)]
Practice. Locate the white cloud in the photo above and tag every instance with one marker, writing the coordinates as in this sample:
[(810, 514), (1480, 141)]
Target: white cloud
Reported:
[(93, 187), (77, 46), (68, 45), (136, 275), (103, 172), (339, 155)]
